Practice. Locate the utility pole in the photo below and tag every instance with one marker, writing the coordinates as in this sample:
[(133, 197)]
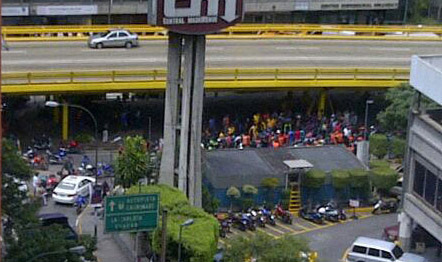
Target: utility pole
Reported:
[(405, 12), (164, 236)]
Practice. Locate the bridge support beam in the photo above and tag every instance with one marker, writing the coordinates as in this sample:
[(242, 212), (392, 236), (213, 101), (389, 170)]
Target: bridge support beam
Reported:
[(65, 122), (322, 102), (188, 150)]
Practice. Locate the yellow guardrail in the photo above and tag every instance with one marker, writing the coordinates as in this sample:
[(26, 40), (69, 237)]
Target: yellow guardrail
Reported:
[(242, 31), (216, 79)]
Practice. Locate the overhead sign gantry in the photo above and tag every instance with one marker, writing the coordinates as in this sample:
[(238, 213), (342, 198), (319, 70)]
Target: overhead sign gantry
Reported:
[(188, 22)]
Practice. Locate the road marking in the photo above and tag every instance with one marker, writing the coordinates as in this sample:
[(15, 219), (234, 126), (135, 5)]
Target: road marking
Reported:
[(78, 223), (297, 48), (393, 49), (14, 51), (215, 48), (288, 228), (265, 232), (302, 226), (275, 230)]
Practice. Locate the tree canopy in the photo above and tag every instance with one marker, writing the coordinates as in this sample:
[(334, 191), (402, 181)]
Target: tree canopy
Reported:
[(263, 247), (133, 163)]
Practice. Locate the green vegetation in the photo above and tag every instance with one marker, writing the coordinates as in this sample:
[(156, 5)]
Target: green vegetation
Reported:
[(84, 138), (383, 178), (314, 178), (270, 184), (359, 178), (234, 194), (379, 163), (210, 203), (395, 116), (133, 163), (379, 145), (249, 192), (263, 247), (341, 179), (398, 147), (23, 235), (199, 240)]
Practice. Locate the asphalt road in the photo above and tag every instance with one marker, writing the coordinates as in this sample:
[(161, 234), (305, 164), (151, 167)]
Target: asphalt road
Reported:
[(43, 56), (332, 242)]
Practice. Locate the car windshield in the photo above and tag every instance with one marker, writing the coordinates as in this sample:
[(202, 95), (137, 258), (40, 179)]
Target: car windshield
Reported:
[(66, 186), (105, 33), (397, 251)]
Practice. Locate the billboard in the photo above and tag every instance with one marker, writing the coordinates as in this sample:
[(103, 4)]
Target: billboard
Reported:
[(195, 17)]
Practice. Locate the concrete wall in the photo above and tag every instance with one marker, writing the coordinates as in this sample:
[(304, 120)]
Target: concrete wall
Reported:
[(425, 146)]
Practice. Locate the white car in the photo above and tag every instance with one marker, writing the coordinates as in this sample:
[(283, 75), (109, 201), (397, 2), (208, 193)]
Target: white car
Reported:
[(70, 187), (113, 38)]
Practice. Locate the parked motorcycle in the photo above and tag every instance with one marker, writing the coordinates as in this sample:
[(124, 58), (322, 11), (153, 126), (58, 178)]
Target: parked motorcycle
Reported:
[(312, 216), (80, 203), (270, 218), (224, 228), (258, 219), (385, 206), (283, 215), (54, 159)]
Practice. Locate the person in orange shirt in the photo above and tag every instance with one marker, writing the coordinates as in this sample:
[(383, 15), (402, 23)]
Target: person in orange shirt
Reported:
[(281, 139), (275, 144), (246, 140)]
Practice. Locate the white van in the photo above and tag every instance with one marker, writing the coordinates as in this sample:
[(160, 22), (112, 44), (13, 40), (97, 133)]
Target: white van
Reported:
[(366, 249)]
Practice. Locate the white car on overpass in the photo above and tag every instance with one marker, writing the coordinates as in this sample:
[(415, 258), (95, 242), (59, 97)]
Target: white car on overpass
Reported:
[(70, 187)]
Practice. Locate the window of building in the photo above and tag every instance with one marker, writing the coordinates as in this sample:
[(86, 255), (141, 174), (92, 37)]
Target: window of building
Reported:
[(359, 249), (430, 187), (419, 178), (439, 195), (373, 252)]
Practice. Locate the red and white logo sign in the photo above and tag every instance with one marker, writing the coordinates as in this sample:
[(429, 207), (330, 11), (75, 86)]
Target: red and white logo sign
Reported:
[(195, 16)]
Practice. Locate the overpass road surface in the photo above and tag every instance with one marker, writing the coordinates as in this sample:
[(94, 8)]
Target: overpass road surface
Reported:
[(66, 56)]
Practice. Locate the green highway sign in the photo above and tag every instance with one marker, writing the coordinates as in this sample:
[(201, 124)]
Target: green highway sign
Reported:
[(131, 213)]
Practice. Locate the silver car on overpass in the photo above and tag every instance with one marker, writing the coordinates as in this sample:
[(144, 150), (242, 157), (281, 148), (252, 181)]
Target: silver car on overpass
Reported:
[(113, 38)]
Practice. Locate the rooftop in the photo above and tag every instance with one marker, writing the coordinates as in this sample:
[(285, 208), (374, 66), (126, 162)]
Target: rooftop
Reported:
[(426, 76), (227, 167)]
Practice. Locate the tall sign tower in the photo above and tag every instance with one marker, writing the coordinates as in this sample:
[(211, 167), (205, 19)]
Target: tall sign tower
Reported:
[(188, 22)]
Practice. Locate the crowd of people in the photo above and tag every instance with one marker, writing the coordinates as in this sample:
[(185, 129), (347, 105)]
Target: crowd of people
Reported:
[(283, 129)]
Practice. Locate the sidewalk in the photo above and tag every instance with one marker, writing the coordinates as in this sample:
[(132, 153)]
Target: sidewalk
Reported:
[(107, 249)]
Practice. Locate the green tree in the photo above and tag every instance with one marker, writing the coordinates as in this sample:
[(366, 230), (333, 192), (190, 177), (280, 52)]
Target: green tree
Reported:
[(133, 163), (210, 203), (262, 247), (199, 240), (379, 145), (233, 193), (359, 181), (341, 180), (384, 178), (395, 116), (36, 240), (314, 178), (270, 184), (249, 193), (398, 146)]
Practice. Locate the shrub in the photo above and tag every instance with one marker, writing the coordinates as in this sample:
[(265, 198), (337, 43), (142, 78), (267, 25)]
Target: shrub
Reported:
[(84, 138), (358, 178), (199, 240), (398, 147), (314, 178), (384, 178), (341, 179), (250, 190), (379, 163), (378, 145)]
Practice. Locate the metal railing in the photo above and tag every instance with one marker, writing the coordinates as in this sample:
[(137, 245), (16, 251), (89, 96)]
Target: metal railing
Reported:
[(242, 31), (212, 74)]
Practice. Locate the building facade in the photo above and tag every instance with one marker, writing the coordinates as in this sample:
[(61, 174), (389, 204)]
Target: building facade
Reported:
[(422, 199), (257, 11)]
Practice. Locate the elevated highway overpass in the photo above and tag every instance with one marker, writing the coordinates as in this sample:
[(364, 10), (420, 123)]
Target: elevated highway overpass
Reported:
[(288, 53)]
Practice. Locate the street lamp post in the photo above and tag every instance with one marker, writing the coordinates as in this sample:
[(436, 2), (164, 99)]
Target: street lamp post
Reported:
[(185, 224), (56, 104), (368, 102), (74, 250)]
